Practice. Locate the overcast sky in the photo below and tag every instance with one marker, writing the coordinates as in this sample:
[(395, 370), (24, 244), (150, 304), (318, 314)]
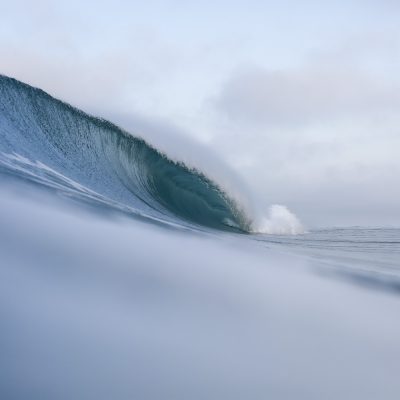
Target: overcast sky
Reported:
[(302, 98)]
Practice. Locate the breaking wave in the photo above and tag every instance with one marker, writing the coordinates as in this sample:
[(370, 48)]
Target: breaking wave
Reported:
[(52, 143)]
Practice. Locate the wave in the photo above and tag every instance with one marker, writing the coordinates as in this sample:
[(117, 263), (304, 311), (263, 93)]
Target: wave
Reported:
[(105, 159), (55, 144)]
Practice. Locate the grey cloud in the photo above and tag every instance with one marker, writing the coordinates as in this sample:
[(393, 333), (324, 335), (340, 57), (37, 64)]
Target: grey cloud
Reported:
[(322, 139), (307, 95)]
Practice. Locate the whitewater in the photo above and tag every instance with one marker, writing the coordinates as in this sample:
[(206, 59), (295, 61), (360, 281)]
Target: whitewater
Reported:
[(136, 267)]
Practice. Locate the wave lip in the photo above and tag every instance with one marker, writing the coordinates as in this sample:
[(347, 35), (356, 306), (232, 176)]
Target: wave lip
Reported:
[(107, 160)]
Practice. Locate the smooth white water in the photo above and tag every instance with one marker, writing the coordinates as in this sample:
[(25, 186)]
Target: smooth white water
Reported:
[(95, 305)]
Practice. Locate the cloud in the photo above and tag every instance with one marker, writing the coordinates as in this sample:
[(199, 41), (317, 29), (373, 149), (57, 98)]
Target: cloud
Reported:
[(321, 138), (304, 96)]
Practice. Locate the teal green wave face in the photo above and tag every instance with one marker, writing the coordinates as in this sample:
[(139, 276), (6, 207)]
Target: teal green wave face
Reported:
[(190, 195), (169, 186)]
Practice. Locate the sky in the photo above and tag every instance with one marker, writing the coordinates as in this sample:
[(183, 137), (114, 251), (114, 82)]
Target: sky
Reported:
[(300, 98)]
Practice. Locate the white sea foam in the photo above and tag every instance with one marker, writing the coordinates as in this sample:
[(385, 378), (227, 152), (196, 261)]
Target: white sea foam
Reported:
[(279, 220)]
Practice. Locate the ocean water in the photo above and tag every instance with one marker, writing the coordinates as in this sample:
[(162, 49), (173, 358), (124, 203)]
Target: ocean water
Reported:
[(132, 271)]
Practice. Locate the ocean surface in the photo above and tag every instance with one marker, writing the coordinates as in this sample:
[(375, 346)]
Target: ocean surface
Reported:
[(131, 269)]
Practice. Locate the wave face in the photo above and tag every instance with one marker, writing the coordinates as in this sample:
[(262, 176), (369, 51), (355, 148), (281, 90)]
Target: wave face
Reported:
[(53, 143)]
